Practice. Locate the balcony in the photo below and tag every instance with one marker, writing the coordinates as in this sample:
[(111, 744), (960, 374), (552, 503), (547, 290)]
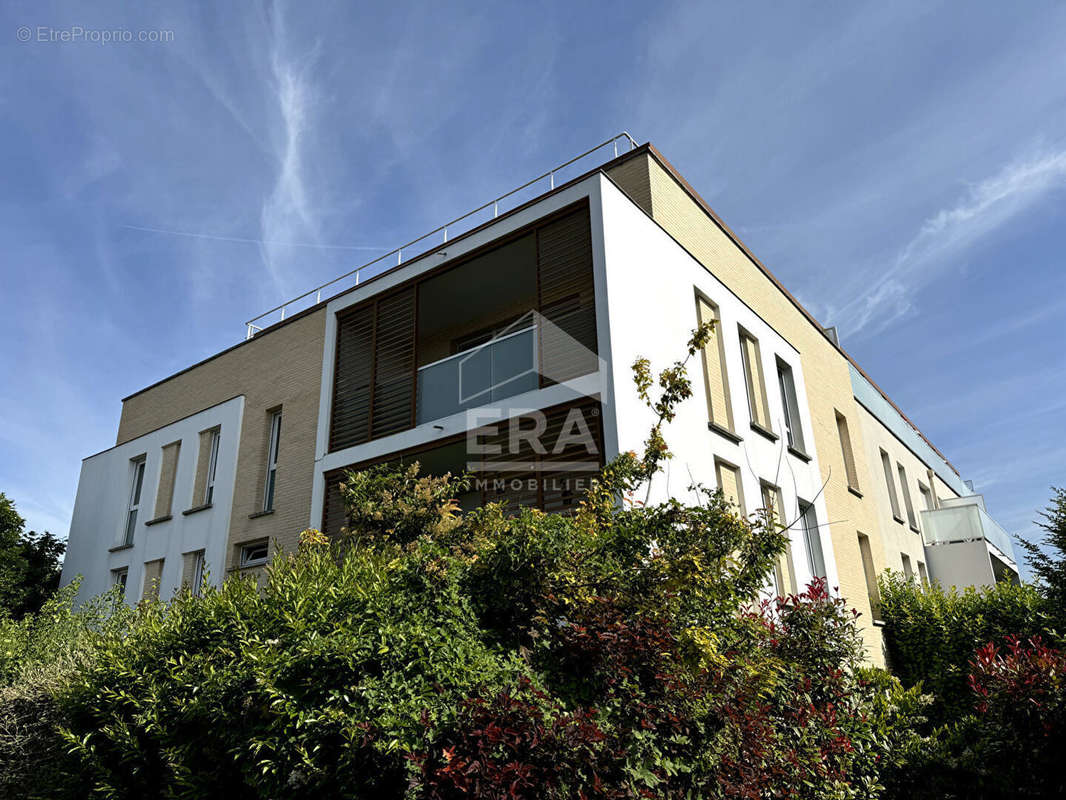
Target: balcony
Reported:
[(961, 537), (502, 367)]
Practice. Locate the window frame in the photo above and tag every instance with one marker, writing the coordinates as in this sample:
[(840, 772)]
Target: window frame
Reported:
[(212, 467), (120, 577), (133, 504), (718, 342), (851, 469), (721, 464), (245, 562), (890, 484), (812, 540), (198, 564), (908, 503), (786, 380), (273, 446), (754, 381)]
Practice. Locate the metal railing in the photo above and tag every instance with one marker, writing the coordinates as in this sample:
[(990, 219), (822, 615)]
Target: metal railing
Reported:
[(441, 231)]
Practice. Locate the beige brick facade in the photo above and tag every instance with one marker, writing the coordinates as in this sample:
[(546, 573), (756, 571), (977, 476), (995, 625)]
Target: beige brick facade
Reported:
[(280, 369), (650, 183)]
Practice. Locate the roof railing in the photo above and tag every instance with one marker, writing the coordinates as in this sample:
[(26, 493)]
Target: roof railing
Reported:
[(256, 324)]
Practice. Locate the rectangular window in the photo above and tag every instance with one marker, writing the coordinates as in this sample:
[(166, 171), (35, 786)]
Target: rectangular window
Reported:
[(118, 578), (203, 493), (153, 575), (754, 382), (907, 571), (254, 553), (912, 520), (193, 571), (790, 406), (715, 379), (272, 461), (135, 499), (927, 497), (923, 575), (729, 482), (168, 470), (812, 540), (849, 456), (890, 482), (212, 468), (871, 576), (784, 575)]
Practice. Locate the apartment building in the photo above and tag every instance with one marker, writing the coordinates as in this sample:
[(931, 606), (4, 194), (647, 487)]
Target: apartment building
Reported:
[(505, 350)]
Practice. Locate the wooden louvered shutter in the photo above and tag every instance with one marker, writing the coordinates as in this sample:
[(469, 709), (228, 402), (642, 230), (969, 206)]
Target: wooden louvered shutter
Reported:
[(394, 364), (567, 298), (562, 488), (333, 515), (350, 419)]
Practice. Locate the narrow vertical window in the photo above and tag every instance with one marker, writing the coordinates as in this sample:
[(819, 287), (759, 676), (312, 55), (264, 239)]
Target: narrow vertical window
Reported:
[(118, 578), (890, 482), (911, 519), (784, 573), (135, 499), (907, 571), (212, 467), (153, 576), (272, 461), (729, 482), (168, 470), (927, 497), (812, 541), (923, 575), (849, 456), (753, 379), (790, 406), (715, 379), (871, 576), (193, 571)]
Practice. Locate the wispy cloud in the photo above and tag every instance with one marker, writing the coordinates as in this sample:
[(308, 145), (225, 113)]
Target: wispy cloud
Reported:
[(287, 213), (987, 207)]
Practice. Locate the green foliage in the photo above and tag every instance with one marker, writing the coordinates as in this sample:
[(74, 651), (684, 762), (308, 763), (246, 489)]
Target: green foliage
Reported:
[(29, 563), (1051, 569), (932, 633)]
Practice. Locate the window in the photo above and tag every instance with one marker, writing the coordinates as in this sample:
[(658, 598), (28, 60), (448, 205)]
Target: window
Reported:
[(203, 493), (927, 497), (886, 464), (272, 461), (118, 578), (729, 482), (135, 498), (753, 379), (923, 575), (153, 575), (907, 571), (715, 380), (212, 468), (871, 576), (845, 447), (790, 406), (168, 469), (193, 572), (911, 519), (812, 541), (784, 573), (254, 553)]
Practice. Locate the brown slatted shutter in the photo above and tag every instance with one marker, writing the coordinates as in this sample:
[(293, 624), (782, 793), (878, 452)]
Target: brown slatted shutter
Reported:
[(350, 419), (333, 515), (562, 487), (567, 298), (394, 364)]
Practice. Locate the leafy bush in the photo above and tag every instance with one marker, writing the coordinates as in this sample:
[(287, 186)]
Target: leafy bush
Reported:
[(932, 633)]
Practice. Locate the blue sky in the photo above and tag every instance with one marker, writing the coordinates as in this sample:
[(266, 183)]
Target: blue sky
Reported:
[(900, 166)]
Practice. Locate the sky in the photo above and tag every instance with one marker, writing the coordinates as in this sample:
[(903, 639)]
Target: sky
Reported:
[(901, 167)]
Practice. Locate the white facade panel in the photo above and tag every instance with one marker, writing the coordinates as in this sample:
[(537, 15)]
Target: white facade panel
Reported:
[(98, 525)]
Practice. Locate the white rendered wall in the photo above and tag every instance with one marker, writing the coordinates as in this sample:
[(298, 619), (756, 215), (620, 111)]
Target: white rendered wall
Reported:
[(650, 311), (99, 519)]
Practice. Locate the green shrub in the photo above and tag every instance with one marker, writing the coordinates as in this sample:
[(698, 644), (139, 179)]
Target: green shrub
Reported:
[(932, 634)]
